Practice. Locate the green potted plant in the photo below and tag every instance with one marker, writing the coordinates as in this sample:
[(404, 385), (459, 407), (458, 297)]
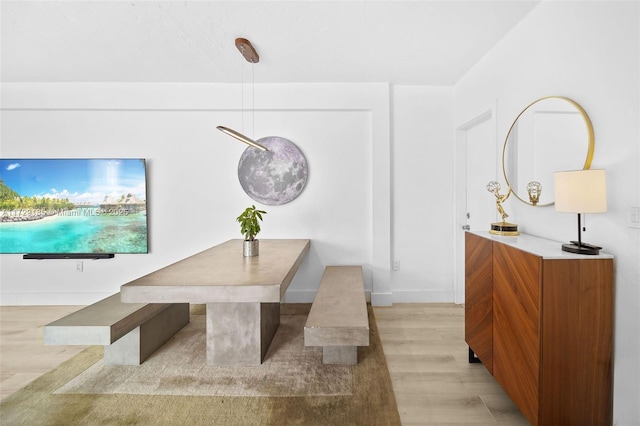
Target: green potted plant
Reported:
[(250, 227)]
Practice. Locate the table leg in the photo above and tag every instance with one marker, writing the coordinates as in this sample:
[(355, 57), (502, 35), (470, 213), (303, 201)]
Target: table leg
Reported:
[(240, 333)]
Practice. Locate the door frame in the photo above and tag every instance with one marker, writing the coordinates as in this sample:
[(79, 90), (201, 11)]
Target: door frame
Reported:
[(460, 193)]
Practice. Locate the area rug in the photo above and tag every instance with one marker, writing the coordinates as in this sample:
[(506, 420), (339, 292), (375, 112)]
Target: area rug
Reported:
[(176, 387)]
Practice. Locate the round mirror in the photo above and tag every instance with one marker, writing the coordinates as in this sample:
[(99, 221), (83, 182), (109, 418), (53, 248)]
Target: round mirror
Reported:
[(551, 134)]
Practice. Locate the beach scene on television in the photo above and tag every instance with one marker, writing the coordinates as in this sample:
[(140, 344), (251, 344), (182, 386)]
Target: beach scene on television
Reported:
[(67, 206)]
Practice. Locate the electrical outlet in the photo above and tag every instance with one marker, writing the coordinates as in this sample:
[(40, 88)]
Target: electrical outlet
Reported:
[(79, 266), (396, 265)]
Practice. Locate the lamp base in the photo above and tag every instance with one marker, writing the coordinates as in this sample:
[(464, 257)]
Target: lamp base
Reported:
[(581, 248), (504, 228)]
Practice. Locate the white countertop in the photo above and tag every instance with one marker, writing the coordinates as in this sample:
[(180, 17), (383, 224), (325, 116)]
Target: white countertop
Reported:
[(547, 249)]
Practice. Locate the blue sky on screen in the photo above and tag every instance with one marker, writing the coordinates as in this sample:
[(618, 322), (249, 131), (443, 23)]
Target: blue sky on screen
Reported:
[(79, 180)]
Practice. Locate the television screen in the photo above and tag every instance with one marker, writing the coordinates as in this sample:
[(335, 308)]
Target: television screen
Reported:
[(73, 206)]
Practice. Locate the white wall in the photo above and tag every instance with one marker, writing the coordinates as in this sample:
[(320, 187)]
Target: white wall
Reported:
[(193, 192), (587, 51), (422, 149), (342, 129)]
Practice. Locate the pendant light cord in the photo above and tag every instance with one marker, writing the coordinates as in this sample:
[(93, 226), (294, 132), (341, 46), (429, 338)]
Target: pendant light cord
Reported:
[(242, 92), (249, 53), (253, 101)]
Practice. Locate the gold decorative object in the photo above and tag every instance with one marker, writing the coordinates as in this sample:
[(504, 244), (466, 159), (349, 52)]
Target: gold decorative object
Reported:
[(504, 227), (534, 189)]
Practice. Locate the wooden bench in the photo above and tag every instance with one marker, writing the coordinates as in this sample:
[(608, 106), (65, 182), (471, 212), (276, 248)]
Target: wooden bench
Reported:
[(338, 320), (130, 332)]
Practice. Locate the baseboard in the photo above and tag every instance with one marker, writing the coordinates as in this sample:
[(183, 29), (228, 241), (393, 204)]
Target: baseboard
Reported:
[(292, 296), (401, 296), (381, 299), (37, 299)]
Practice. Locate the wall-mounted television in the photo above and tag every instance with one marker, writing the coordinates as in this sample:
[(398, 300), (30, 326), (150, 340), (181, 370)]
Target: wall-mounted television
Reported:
[(73, 207)]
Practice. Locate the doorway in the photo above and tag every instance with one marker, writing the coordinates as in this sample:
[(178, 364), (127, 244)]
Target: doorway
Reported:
[(476, 165)]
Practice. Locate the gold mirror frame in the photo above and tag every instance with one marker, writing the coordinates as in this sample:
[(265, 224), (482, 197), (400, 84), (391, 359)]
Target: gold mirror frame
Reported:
[(590, 145)]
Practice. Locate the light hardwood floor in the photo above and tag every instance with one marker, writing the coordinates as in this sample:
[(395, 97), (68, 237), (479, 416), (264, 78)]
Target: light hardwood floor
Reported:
[(433, 382), (423, 343)]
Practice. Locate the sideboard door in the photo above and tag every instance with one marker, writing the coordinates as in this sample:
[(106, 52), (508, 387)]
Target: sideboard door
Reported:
[(478, 295), (577, 335), (516, 326)]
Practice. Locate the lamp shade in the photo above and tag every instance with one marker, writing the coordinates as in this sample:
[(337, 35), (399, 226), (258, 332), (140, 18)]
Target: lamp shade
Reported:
[(580, 191)]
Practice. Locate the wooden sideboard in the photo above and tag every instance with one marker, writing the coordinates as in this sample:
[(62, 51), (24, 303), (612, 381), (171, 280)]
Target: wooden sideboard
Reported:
[(541, 321)]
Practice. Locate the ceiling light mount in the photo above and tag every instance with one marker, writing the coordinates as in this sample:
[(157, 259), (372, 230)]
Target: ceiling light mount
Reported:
[(247, 50)]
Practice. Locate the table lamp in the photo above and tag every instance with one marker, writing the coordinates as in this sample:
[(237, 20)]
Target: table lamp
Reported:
[(580, 191)]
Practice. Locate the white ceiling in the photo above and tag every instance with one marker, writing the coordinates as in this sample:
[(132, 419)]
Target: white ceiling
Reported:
[(401, 42)]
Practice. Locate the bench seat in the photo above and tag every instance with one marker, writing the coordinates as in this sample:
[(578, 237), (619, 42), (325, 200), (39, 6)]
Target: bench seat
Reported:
[(338, 320), (129, 332)]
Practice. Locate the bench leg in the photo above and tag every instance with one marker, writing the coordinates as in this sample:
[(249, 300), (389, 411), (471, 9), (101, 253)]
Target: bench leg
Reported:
[(340, 355), (137, 345), (125, 350)]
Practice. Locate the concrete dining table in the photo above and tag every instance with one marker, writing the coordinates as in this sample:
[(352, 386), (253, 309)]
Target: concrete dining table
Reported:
[(242, 294)]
